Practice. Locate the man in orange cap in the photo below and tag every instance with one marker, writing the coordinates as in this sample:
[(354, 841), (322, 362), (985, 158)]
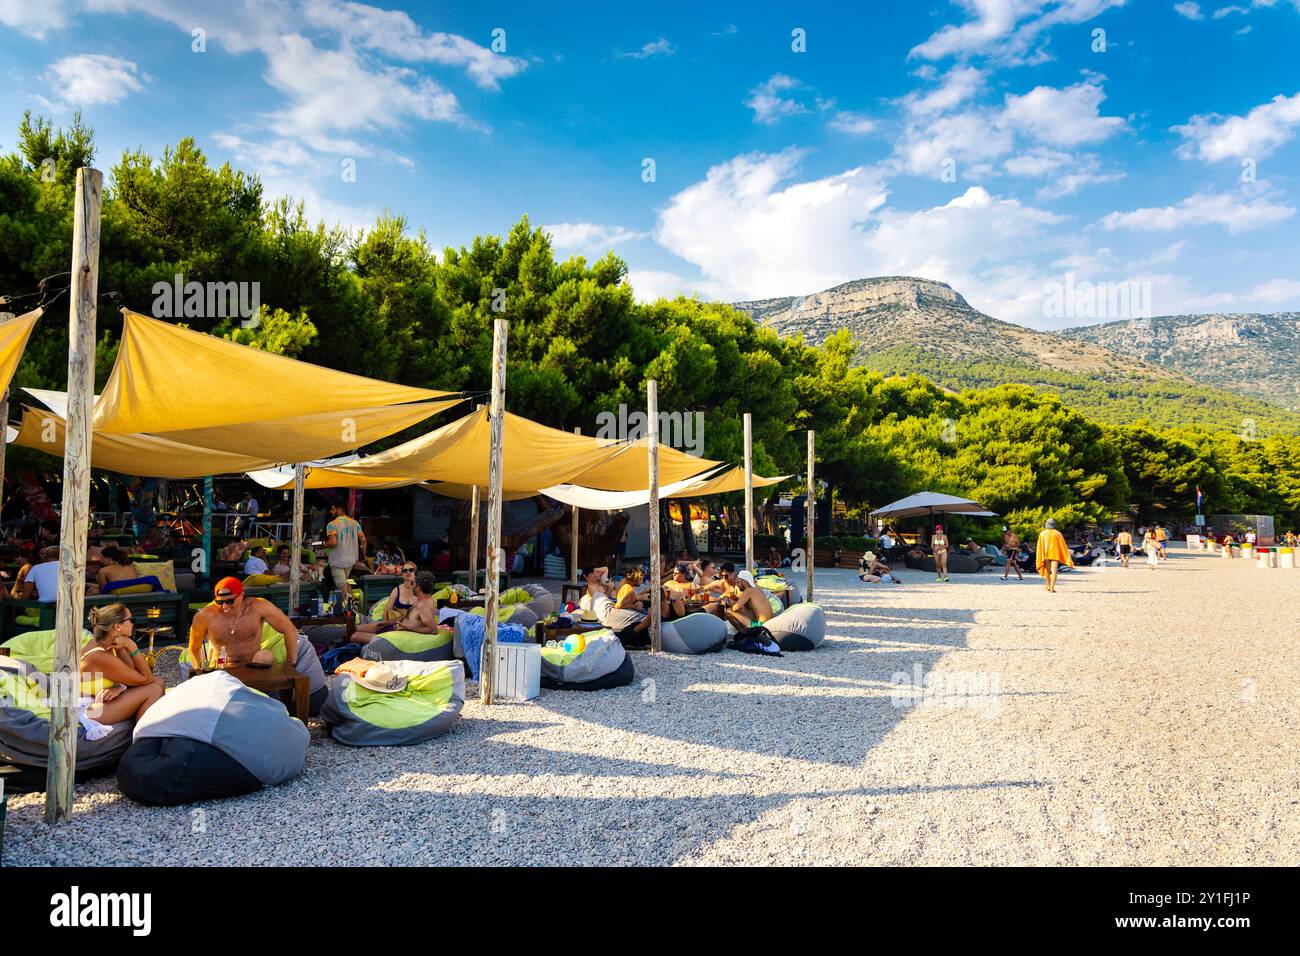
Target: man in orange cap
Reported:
[(1051, 554), (233, 622)]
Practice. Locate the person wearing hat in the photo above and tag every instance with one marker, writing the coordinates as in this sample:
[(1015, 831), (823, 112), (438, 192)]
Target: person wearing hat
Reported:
[(939, 545), (233, 623), (742, 602), (1011, 548), (1052, 552)]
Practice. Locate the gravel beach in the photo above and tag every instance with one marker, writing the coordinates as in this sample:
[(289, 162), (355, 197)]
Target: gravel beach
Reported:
[(1134, 717)]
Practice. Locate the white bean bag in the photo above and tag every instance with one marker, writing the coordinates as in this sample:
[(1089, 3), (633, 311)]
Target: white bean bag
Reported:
[(698, 633), (211, 737), (543, 602), (430, 704), (801, 627)]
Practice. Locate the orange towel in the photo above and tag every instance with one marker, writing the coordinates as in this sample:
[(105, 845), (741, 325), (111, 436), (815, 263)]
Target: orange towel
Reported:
[(1051, 547), (357, 667)]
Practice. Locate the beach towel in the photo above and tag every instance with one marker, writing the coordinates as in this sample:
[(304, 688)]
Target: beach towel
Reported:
[(1051, 547), (469, 631)]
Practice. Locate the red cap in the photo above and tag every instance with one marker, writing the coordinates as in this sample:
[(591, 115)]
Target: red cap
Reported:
[(233, 585), (938, 527)]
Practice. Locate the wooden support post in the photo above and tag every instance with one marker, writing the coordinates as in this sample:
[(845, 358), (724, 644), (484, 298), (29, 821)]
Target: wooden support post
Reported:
[(474, 509), (573, 547), (812, 513), (652, 457), (749, 492), (208, 496), (488, 660), (295, 542), (69, 614)]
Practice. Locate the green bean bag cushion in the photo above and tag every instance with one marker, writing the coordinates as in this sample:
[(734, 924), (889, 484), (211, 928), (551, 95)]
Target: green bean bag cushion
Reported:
[(698, 633), (515, 596), (25, 723), (377, 609), (802, 627), (602, 664), (426, 708), (409, 646), (211, 737), (37, 648)]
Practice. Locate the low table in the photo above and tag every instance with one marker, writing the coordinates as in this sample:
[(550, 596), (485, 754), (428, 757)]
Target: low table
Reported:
[(576, 588), (543, 633), (278, 677), (349, 620)]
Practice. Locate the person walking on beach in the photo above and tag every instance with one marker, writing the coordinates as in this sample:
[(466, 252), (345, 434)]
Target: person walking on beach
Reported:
[(1011, 548), (1162, 541), (1052, 552), (1124, 543), (939, 544), (1150, 546)]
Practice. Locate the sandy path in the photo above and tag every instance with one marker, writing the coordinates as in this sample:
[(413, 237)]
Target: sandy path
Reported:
[(1134, 717)]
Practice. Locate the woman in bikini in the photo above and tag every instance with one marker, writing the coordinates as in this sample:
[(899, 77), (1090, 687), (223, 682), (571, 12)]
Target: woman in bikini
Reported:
[(116, 683), (400, 600)]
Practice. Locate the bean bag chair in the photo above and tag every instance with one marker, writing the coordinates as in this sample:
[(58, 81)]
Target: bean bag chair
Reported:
[(799, 628), (543, 601), (37, 648), (616, 619), (25, 723), (164, 571), (426, 708), (602, 664), (409, 646), (211, 737), (513, 613), (694, 634), (305, 661)]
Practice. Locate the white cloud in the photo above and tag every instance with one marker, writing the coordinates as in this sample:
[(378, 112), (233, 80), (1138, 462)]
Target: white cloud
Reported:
[(1223, 209), (1276, 292), (1212, 137), (958, 85), (973, 136), (89, 79), (36, 18), (1007, 28), (1192, 11), (855, 124), (651, 284), (660, 47), (1062, 117), (767, 102), (590, 238)]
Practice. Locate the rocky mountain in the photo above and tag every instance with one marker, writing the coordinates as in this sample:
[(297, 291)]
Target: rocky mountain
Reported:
[(905, 325), (1244, 352)]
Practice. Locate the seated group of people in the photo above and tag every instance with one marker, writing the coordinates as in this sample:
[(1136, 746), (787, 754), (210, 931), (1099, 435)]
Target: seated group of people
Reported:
[(38, 579)]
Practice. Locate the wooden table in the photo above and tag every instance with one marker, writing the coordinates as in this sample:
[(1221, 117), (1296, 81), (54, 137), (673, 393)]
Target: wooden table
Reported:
[(274, 679), (543, 633), (350, 620), (576, 588), (462, 604)]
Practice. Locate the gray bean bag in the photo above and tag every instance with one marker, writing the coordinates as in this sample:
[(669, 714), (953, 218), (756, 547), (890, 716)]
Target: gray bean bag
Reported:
[(172, 758), (25, 723), (409, 646), (543, 602), (430, 704), (801, 627), (602, 664), (698, 633)]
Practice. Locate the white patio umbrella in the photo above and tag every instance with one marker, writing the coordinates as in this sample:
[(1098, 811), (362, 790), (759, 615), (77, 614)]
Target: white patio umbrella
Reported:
[(929, 502)]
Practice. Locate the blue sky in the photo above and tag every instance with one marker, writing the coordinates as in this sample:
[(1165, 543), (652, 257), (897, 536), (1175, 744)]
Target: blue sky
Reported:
[(1007, 147)]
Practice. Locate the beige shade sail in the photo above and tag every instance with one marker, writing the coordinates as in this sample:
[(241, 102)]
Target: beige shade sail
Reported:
[(170, 379), (733, 480), (143, 455), (13, 340), (629, 470)]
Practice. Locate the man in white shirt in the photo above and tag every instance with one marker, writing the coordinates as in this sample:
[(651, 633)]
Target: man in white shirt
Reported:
[(42, 580), (256, 563), (886, 540)]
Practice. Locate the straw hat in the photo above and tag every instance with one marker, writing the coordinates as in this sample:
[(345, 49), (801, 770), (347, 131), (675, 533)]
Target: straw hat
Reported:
[(382, 678)]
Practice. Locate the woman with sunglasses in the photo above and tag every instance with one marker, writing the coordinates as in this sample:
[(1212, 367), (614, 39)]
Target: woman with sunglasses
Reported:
[(116, 682), (400, 600)]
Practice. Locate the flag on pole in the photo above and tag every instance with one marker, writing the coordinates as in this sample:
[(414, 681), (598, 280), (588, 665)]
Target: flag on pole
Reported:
[(1198, 500)]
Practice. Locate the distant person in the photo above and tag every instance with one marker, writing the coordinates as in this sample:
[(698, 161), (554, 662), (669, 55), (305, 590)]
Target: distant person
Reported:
[(1124, 544), (40, 581), (742, 603), (118, 568), (346, 543), (1051, 553), (1162, 542), (887, 540), (248, 510), (1011, 550), (256, 563), (939, 545), (1150, 547)]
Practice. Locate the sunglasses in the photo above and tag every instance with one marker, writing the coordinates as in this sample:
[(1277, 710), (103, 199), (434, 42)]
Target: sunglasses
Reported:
[(227, 600), (408, 570)]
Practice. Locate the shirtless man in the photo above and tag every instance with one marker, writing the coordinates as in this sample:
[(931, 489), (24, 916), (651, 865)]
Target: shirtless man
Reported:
[(234, 622), (1124, 543), (1011, 550), (420, 618), (742, 603)]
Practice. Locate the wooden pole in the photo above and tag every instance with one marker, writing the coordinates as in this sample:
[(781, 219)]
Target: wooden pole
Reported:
[(749, 492), (69, 612), (573, 547), (652, 457), (295, 544), (812, 512), (474, 509), (488, 661)]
